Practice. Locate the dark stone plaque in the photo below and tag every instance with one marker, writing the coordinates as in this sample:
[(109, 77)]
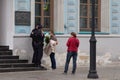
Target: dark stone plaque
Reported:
[(22, 18)]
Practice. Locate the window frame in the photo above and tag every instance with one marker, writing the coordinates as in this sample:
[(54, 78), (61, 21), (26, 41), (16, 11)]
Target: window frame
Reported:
[(88, 28), (42, 16)]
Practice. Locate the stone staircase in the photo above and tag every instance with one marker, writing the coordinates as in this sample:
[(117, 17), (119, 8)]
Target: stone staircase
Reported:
[(10, 63)]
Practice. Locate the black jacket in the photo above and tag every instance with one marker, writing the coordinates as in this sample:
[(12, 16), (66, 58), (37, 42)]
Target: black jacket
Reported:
[(37, 35)]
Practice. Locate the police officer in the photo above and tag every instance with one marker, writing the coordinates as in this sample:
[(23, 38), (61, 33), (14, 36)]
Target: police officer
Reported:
[(37, 44)]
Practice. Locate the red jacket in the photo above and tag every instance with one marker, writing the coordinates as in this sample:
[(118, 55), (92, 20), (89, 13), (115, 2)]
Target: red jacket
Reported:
[(72, 44)]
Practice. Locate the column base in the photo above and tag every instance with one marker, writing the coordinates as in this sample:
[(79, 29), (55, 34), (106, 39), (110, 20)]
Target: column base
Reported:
[(92, 75)]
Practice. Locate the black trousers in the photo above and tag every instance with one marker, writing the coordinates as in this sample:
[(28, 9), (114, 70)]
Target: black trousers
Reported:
[(38, 53)]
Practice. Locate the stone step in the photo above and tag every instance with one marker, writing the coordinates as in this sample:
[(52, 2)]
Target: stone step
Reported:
[(13, 61), (20, 69), (2, 48), (7, 52), (8, 57), (11, 65)]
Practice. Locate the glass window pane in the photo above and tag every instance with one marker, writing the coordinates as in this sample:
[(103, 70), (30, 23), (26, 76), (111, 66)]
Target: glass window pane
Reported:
[(46, 1), (96, 11), (83, 23), (37, 0), (96, 1), (46, 22), (86, 14), (96, 23), (37, 9), (37, 20), (46, 9), (83, 10), (83, 1)]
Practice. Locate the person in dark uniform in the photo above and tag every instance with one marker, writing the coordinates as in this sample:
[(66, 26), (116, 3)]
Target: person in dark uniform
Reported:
[(37, 44)]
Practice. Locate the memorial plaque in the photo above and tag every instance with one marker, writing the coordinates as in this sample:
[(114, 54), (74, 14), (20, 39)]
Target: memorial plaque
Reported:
[(22, 18)]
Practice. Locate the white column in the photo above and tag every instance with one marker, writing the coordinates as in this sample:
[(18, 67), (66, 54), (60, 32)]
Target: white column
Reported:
[(2, 27), (7, 22), (59, 16), (105, 15), (32, 14)]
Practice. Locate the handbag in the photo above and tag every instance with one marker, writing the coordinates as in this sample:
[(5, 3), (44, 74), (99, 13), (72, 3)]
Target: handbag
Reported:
[(47, 49)]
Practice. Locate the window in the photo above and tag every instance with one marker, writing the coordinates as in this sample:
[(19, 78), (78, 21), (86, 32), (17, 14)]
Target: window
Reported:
[(44, 13), (86, 15)]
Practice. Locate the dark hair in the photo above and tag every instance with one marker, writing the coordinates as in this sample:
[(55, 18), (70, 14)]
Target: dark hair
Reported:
[(52, 32), (73, 34), (39, 26)]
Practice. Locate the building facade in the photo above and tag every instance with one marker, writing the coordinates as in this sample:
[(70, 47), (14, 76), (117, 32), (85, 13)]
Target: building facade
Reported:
[(18, 18)]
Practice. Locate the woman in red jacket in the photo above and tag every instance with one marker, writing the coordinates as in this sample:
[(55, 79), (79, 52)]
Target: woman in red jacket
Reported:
[(72, 44)]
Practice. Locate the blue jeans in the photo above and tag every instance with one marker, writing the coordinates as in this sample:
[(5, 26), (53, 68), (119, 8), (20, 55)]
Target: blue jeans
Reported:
[(53, 61), (69, 55)]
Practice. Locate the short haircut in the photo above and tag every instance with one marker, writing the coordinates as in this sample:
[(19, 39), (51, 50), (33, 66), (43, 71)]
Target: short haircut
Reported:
[(73, 34)]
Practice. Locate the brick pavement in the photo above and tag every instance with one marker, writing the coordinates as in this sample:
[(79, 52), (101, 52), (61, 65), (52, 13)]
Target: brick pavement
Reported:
[(104, 72)]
